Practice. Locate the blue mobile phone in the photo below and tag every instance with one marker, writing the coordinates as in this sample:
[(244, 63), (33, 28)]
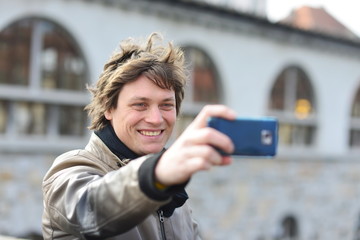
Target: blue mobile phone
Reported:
[(251, 136)]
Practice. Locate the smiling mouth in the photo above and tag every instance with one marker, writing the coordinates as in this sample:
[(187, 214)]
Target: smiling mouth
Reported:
[(151, 133)]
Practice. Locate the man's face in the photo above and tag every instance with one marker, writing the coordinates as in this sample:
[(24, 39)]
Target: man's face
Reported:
[(144, 117)]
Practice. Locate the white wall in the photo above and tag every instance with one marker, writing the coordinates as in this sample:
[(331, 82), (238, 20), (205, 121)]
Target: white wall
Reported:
[(247, 63)]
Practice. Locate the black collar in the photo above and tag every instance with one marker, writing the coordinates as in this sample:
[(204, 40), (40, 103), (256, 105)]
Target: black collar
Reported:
[(109, 137)]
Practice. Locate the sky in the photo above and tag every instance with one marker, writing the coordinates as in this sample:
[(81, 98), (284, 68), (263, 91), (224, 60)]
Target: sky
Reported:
[(345, 11)]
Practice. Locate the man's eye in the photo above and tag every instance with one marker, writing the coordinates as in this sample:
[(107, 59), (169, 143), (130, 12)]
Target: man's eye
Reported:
[(167, 106), (139, 106)]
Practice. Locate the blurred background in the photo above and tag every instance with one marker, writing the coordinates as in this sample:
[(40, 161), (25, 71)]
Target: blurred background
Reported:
[(301, 65)]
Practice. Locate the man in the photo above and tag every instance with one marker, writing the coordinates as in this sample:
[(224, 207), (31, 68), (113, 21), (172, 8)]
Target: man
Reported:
[(124, 184)]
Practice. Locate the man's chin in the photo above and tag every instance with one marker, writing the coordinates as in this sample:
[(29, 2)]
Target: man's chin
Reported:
[(152, 150)]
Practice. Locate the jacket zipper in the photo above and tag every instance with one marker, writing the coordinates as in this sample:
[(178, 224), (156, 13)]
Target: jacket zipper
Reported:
[(162, 226)]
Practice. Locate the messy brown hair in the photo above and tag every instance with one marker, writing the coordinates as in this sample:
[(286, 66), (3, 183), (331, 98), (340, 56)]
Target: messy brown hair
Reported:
[(161, 63)]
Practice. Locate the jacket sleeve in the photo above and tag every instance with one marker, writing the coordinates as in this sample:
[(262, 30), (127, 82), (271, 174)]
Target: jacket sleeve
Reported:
[(88, 203)]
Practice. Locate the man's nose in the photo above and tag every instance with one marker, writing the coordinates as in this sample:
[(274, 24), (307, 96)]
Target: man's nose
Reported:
[(154, 116)]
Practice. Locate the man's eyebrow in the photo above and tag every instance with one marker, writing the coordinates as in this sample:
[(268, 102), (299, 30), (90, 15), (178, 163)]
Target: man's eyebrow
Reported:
[(139, 99), (169, 99), (148, 99)]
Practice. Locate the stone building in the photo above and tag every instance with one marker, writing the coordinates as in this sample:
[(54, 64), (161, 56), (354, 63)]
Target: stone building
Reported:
[(309, 80)]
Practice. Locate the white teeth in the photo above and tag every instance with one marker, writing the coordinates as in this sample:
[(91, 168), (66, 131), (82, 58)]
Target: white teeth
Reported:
[(150, 133)]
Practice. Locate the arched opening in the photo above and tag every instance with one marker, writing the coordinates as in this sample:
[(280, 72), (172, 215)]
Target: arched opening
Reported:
[(292, 101)]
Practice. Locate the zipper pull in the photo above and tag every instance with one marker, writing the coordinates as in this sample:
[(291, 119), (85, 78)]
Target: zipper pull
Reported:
[(161, 216)]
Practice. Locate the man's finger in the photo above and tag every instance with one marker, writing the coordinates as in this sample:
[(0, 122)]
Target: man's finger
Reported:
[(213, 111)]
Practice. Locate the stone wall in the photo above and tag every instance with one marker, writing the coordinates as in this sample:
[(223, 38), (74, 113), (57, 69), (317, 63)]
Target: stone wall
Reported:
[(21, 195), (249, 199)]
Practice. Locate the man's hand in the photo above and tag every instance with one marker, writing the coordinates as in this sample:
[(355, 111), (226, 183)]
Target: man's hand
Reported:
[(194, 150)]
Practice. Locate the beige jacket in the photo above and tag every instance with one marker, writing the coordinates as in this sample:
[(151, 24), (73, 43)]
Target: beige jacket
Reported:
[(88, 196)]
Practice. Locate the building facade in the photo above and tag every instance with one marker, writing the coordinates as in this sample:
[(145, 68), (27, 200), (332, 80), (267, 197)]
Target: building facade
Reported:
[(50, 51)]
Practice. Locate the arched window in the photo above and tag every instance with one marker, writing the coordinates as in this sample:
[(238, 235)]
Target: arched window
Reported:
[(203, 87), (292, 101), (354, 139), (43, 78), (288, 229)]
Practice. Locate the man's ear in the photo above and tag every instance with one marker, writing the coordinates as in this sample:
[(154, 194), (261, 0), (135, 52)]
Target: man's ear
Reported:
[(108, 115)]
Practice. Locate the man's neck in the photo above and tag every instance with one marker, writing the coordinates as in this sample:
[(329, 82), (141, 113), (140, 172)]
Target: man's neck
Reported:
[(109, 137)]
